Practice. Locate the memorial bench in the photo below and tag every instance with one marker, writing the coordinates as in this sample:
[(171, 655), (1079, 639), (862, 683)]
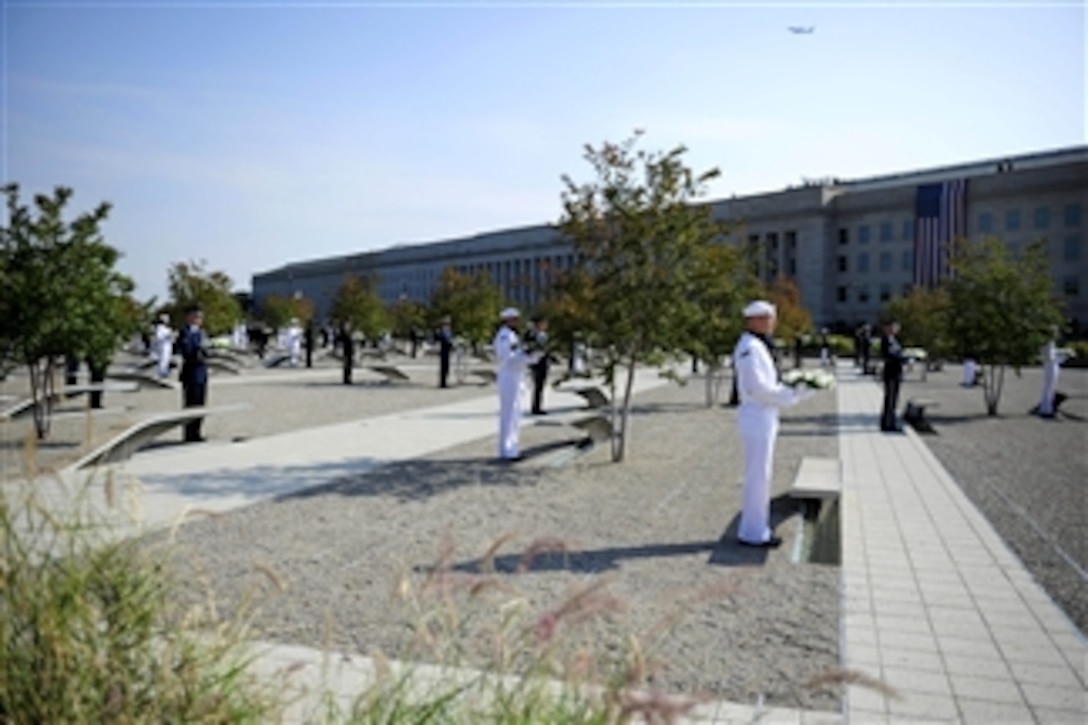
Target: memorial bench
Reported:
[(485, 374), (389, 373), (598, 427), (26, 405), (817, 479), (594, 396), (915, 414), (142, 380), (124, 444)]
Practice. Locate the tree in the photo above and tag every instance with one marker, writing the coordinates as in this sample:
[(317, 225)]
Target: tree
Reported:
[(406, 316), (1004, 307), (923, 318), (722, 284), (473, 302), (190, 283), (793, 319), (278, 310), (640, 237), (356, 302), (60, 293)]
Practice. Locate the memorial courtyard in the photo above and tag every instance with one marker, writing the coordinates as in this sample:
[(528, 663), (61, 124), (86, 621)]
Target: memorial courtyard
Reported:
[(946, 585)]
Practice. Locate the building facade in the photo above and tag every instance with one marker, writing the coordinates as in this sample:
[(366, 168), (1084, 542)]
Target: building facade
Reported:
[(849, 245)]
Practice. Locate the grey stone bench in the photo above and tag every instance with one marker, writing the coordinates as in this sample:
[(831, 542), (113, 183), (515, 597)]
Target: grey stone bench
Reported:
[(594, 396), (26, 405), (915, 414), (390, 373), (142, 380), (598, 427), (817, 478), (485, 374), (124, 444)]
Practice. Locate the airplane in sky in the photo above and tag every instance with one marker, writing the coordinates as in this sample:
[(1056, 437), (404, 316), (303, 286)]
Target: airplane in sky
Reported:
[(802, 30)]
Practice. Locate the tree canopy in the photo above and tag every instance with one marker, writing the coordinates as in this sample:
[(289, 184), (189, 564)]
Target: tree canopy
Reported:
[(473, 303), (60, 293), (278, 310), (192, 283), (357, 302)]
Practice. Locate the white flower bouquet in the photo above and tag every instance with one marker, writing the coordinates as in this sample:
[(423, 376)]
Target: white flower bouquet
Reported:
[(915, 353), (815, 379)]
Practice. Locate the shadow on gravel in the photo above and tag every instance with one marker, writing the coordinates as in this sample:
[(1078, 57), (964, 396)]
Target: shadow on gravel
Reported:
[(421, 479), (552, 555)]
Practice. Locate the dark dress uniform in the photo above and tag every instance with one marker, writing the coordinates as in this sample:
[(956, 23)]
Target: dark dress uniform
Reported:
[(538, 341), (194, 376), (892, 354), (445, 349)]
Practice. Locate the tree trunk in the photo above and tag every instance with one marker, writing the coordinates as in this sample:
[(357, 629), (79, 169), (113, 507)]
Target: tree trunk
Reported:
[(42, 387), (991, 387), (625, 415), (713, 382), (614, 414)]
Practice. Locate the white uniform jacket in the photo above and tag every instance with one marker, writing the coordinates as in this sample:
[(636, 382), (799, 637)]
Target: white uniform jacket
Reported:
[(511, 358), (757, 378)]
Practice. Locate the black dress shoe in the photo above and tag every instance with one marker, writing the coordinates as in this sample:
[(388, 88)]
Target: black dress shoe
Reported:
[(772, 543)]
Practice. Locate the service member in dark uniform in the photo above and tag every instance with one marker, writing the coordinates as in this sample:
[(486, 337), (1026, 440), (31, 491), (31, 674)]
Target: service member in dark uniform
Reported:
[(194, 369), (445, 350), (346, 341), (892, 354), (537, 341)]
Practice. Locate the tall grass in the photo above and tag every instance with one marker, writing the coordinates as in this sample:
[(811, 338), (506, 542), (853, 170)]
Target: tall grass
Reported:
[(89, 631)]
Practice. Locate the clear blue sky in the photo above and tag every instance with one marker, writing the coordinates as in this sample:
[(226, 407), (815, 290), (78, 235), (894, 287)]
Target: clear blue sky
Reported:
[(255, 134)]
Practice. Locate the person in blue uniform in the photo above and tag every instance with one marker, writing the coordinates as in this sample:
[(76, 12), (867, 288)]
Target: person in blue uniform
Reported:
[(194, 369)]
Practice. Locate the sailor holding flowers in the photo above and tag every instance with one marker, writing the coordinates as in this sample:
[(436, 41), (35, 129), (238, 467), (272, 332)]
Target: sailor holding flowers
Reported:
[(761, 395)]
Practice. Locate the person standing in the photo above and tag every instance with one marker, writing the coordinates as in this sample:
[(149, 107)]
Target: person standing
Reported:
[(537, 339), (825, 357), (347, 348), (164, 344), (445, 350), (761, 395), (512, 361), (294, 341), (194, 369), (866, 349), (892, 354), (1052, 364), (308, 344)]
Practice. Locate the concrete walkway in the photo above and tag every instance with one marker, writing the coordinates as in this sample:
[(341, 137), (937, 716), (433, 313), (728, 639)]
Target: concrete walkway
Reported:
[(933, 601)]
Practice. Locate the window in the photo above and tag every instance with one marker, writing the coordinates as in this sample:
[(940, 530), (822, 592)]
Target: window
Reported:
[(791, 240), (908, 260), (844, 236), (842, 263), (908, 229), (863, 234), (842, 294), (985, 223), (885, 261), (1042, 218), (863, 262), (1072, 215), (863, 293), (772, 240), (1071, 287), (885, 293), (885, 231), (791, 267), (1071, 253), (1012, 220)]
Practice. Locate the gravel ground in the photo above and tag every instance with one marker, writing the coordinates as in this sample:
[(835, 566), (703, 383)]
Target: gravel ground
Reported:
[(282, 400), (655, 532), (1027, 475)]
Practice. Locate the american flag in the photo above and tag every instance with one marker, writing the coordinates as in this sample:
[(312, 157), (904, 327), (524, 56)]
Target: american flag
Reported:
[(940, 217)]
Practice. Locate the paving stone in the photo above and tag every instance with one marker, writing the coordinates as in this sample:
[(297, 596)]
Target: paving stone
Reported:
[(986, 712), (1056, 697), (986, 688)]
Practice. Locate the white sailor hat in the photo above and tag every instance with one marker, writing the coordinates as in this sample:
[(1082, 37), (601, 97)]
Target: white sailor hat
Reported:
[(509, 313), (760, 308)]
